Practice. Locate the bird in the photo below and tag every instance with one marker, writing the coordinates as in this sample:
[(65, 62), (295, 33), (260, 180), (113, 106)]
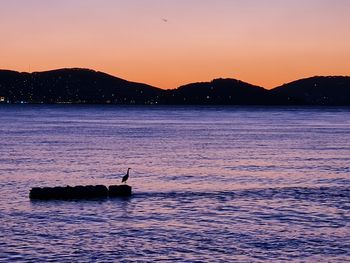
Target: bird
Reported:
[(125, 177)]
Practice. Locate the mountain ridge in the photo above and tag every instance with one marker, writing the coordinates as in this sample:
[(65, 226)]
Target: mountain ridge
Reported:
[(87, 86)]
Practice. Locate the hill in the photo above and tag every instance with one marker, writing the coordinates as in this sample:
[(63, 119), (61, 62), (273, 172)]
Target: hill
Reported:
[(73, 86), (77, 85), (218, 92), (319, 90)]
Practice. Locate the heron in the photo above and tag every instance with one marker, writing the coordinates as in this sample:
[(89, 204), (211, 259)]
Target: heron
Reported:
[(125, 177)]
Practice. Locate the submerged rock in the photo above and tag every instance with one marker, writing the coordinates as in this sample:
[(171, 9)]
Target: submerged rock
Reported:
[(79, 192)]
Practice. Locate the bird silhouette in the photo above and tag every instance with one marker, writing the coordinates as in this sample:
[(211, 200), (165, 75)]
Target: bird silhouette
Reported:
[(126, 177)]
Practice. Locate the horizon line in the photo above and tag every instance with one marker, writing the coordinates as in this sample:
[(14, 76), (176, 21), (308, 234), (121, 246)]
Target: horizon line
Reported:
[(205, 81)]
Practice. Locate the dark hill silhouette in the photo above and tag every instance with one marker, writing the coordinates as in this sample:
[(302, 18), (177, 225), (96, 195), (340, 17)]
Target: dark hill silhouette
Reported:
[(319, 90), (73, 85), (218, 92), (88, 86)]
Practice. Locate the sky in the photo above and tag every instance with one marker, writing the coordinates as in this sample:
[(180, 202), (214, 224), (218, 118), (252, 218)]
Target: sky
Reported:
[(167, 43)]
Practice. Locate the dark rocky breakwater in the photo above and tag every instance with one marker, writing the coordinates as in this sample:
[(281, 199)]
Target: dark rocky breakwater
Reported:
[(79, 192)]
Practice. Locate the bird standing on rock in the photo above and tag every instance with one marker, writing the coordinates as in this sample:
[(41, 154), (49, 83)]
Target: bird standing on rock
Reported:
[(126, 177)]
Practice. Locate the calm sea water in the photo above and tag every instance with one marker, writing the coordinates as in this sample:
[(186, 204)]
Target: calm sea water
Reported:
[(211, 184)]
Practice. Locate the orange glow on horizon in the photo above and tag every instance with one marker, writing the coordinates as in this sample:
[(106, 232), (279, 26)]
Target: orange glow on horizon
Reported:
[(168, 44)]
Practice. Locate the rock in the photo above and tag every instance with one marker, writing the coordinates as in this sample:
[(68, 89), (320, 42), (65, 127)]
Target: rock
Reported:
[(68, 192), (119, 190), (79, 192)]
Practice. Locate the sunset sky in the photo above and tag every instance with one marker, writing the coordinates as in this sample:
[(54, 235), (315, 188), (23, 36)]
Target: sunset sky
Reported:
[(167, 43)]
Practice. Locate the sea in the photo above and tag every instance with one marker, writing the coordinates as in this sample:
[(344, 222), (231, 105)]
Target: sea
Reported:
[(210, 184)]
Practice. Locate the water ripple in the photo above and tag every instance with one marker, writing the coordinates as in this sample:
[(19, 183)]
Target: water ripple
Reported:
[(215, 184)]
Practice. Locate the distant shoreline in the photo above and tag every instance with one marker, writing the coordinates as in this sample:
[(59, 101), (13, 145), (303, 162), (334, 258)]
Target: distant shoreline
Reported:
[(88, 87), (166, 106)]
